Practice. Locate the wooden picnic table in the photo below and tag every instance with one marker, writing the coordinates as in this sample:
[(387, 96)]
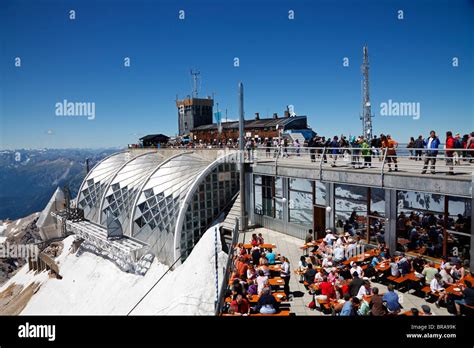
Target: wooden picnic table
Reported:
[(277, 281), (362, 257), (266, 246), (383, 266), (275, 268), (279, 297)]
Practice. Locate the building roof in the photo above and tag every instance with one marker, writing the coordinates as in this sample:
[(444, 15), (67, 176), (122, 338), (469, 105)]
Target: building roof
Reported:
[(282, 122), (159, 137), (165, 202)]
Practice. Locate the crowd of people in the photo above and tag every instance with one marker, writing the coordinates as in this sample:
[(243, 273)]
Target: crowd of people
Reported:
[(251, 277), (332, 277)]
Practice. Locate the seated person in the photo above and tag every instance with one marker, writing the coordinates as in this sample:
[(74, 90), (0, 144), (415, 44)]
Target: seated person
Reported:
[(437, 287), (254, 240), (240, 306), (350, 307), (364, 290), (377, 307), (260, 239), (267, 304), (390, 298), (426, 310), (429, 272), (445, 274), (309, 274), (468, 296), (340, 304), (262, 281), (270, 255)]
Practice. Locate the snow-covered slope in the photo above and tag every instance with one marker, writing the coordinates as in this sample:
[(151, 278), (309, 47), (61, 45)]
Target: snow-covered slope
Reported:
[(93, 285)]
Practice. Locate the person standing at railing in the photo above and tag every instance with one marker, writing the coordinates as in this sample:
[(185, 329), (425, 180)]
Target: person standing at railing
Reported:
[(410, 146), (366, 153), (312, 150), (450, 144), (268, 144), (418, 146), (334, 150), (431, 146), (297, 147), (470, 146), (390, 145), (374, 145), (284, 145)]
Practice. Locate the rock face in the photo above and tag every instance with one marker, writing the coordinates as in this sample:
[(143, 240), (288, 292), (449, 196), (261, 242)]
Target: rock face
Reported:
[(21, 231)]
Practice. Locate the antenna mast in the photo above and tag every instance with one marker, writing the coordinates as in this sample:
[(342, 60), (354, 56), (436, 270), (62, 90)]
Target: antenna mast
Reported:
[(195, 75), (366, 116)]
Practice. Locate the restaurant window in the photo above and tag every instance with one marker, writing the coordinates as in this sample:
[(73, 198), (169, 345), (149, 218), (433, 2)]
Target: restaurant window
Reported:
[(264, 187), (376, 215), (278, 199), (351, 210), (320, 198), (420, 223), (300, 202)]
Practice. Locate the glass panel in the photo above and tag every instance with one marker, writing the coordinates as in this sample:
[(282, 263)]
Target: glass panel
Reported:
[(301, 185), (351, 209), (258, 199), (279, 187), (301, 208), (278, 209), (377, 201), (320, 193), (258, 179)]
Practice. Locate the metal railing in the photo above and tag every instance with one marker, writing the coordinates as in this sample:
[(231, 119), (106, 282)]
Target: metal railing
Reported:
[(228, 269), (379, 160)]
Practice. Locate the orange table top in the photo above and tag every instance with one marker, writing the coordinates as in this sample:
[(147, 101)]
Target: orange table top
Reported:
[(266, 246)]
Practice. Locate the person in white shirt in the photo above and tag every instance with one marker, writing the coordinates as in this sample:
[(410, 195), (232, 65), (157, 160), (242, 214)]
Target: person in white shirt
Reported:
[(338, 253), (364, 290), (437, 287), (356, 268), (329, 238), (262, 281), (445, 274)]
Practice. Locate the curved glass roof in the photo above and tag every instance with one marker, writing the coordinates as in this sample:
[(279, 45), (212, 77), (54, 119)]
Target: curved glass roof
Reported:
[(122, 191), (158, 204), (156, 198), (93, 187)]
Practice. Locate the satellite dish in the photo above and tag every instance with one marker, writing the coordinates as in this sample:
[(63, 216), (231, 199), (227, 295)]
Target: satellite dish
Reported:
[(367, 104)]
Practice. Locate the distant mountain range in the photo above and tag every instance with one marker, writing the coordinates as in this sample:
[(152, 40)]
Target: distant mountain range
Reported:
[(28, 178)]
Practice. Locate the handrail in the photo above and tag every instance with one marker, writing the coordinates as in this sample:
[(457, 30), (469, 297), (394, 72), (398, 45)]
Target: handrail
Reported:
[(228, 269), (383, 166)]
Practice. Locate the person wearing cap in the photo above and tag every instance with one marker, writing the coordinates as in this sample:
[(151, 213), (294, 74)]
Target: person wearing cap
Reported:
[(364, 290), (356, 268)]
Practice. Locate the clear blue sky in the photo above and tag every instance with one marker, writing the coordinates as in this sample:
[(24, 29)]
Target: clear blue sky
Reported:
[(282, 62)]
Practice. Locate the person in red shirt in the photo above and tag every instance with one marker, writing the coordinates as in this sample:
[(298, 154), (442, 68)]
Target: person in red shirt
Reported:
[(240, 306), (242, 268), (450, 144), (327, 289)]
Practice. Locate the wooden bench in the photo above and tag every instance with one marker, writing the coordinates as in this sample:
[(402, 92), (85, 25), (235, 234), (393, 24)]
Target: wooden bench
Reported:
[(285, 312)]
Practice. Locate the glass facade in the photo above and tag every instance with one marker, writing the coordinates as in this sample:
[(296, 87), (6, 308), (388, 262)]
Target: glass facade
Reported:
[(264, 194), (351, 209), (434, 225), (214, 194), (145, 193), (300, 199)]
